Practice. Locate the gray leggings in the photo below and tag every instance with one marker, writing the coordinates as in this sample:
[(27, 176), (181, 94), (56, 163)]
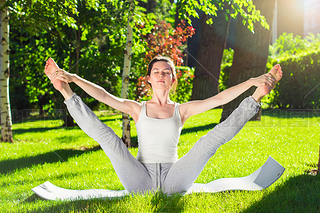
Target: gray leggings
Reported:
[(169, 177)]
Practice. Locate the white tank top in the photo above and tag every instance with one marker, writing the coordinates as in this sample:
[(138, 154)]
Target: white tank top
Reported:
[(158, 138)]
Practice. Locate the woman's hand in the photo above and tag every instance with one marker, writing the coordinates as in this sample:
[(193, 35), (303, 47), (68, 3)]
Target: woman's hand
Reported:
[(264, 80), (62, 75)]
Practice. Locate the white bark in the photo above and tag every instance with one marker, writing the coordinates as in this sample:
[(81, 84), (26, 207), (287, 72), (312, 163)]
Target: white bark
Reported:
[(126, 137), (6, 122)]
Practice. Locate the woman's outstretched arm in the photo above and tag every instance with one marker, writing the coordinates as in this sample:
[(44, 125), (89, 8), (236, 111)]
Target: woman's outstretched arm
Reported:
[(124, 105), (99, 93), (264, 84)]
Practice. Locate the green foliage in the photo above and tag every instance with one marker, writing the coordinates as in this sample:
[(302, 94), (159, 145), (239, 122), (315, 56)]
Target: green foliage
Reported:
[(183, 91), (299, 87), (300, 62), (89, 42), (88, 38), (164, 40), (226, 64), (92, 47), (37, 15), (27, 63), (235, 8), (287, 45)]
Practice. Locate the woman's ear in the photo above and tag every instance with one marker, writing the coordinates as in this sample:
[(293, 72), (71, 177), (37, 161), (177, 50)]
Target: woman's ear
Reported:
[(148, 79), (173, 80)]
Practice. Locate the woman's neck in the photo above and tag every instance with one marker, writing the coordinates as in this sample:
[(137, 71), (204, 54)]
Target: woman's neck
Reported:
[(161, 97)]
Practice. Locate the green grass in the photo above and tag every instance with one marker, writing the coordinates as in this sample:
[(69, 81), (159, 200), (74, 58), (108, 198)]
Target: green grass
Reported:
[(43, 151)]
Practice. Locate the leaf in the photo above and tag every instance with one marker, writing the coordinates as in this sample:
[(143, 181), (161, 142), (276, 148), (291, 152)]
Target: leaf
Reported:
[(209, 21)]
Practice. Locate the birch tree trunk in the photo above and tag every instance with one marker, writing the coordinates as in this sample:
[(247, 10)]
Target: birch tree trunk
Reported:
[(126, 136), (6, 122)]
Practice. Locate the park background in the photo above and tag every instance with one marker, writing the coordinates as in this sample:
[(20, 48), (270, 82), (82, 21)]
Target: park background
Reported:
[(213, 50)]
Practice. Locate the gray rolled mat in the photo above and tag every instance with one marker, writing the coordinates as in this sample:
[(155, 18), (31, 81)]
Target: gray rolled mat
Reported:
[(258, 180)]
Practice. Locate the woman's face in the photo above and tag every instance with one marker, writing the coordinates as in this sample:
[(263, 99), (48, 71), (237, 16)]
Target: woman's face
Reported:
[(161, 75)]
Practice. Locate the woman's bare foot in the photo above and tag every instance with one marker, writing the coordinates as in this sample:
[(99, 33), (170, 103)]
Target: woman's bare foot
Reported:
[(276, 72), (49, 70), (260, 92)]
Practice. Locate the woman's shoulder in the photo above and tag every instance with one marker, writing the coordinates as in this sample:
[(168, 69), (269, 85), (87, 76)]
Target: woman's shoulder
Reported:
[(186, 110), (134, 108)]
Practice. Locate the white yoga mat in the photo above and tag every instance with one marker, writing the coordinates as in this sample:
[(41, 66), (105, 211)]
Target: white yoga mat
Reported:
[(258, 180), (262, 178)]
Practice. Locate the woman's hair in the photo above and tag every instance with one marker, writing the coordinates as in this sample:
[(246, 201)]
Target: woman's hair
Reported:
[(170, 63)]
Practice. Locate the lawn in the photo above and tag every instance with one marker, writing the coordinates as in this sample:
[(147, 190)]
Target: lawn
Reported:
[(44, 151)]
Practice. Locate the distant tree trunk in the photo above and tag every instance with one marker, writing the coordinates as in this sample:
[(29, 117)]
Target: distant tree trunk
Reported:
[(68, 119), (209, 55), (126, 136), (6, 120), (77, 35), (150, 6), (177, 20), (250, 55), (74, 59)]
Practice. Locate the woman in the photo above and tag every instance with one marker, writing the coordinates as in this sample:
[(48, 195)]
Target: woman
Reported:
[(159, 122)]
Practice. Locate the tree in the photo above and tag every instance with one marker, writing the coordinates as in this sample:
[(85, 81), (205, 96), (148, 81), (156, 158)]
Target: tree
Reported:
[(83, 37), (90, 43), (126, 136), (250, 54), (207, 50), (34, 39), (90, 36), (209, 55), (6, 121)]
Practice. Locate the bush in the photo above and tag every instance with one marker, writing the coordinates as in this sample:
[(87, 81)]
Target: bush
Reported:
[(299, 59), (287, 45), (183, 92), (226, 64), (300, 62), (299, 87), (166, 41)]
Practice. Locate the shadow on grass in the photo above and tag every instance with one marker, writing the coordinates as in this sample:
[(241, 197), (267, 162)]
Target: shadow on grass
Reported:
[(61, 155), (198, 128), (159, 202), (298, 194), (109, 119), (34, 130), (291, 113)]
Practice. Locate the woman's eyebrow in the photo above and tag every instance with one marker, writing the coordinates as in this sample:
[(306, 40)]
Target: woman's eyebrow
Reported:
[(156, 68)]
